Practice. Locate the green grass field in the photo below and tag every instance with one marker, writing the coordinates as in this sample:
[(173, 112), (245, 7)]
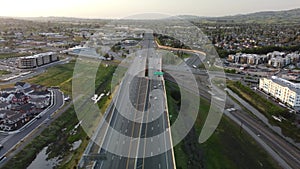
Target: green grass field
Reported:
[(227, 148), (4, 72), (59, 142), (61, 76)]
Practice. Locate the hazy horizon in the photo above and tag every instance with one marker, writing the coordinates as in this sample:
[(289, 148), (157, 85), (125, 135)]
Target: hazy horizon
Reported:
[(114, 9)]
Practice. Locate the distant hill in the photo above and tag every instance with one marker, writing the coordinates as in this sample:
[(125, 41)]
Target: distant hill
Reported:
[(287, 16)]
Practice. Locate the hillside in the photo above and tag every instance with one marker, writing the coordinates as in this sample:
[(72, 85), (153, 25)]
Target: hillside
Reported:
[(288, 16)]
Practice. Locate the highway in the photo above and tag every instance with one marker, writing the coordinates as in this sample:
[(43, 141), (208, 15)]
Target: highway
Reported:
[(280, 149), (10, 141), (140, 95), (286, 154), (138, 136)]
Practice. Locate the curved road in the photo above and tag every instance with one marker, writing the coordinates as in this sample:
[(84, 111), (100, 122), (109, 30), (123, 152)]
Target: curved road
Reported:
[(10, 141)]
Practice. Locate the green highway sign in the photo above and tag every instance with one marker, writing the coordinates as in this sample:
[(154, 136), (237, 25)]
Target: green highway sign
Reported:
[(158, 73)]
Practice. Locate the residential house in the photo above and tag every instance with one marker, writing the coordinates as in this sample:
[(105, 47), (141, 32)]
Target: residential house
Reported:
[(40, 103), (39, 88), (39, 94), (21, 86), (6, 97), (10, 120), (8, 90), (28, 90), (20, 98), (5, 106)]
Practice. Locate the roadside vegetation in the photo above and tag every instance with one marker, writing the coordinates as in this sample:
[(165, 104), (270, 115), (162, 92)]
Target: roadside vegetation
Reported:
[(267, 108), (218, 151), (62, 133), (169, 41), (232, 71), (60, 75), (4, 72)]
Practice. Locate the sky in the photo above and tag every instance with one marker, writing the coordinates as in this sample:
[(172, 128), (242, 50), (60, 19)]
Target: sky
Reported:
[(125, 8)]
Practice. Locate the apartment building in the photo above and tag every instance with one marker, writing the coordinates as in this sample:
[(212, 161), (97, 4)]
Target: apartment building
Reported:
[(281, 89), (37, 60), (250, 59)]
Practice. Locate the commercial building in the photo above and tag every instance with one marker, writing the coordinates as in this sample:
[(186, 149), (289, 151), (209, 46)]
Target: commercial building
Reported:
[(37, 60), (281, 89)]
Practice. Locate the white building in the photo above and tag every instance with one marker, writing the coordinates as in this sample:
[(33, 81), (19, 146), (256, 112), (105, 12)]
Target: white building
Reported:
[(283, 90), (281, 59), (37, 60)]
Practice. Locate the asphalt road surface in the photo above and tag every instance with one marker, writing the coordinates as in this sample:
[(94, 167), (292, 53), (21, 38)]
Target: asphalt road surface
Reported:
[(9, 141), (138, 119)]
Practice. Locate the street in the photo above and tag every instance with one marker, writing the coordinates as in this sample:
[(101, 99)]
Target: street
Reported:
[(10, 141)]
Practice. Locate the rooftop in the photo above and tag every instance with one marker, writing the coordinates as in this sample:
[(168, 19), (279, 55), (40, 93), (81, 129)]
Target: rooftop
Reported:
[(291, 85)]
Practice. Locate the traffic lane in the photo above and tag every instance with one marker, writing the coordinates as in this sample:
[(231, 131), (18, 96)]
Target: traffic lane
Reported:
[(286, 151), (121, 145), (264, 145), (155, 154), (107, 164), (157, 133), (135, 142), (159, 161), (122, 93), (130, 161), (121, 124)]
